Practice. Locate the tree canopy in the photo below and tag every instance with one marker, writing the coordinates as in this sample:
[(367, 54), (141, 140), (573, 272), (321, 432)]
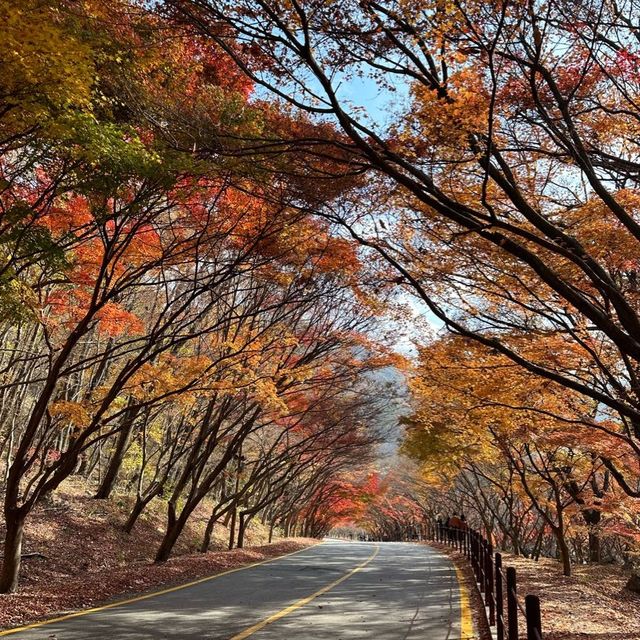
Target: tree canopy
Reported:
[(208, 243)]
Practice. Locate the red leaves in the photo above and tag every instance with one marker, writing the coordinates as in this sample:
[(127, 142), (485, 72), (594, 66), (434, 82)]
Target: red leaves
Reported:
[(114, 320)]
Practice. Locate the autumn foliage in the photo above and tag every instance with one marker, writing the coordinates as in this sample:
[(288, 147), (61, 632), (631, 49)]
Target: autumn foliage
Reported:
[(203, 238), (175, 325), (502, 157)]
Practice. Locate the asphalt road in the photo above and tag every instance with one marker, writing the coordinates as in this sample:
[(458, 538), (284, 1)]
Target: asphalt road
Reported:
[(333, 591)]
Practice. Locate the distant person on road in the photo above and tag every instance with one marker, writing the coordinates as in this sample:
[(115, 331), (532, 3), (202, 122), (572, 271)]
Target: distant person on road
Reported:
[(456, 525), (455, 522), (439, 527)]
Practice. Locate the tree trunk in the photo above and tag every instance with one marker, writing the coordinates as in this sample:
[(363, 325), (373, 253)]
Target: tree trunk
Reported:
[(174, 529), (565, 554), (592, 518), (106, 487), (271, 526), (232, 528), (138, 508), (633, 583), (168, 542), (12, 552), (594, 547), (208, 532), (537, 547), (241, 528)]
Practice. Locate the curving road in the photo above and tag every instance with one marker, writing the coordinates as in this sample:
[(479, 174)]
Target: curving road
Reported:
[(333, 591)]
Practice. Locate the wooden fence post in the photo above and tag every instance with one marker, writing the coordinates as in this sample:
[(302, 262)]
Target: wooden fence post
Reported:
[(476, 555), (534, 621), (489, 589), (487, 568), (499, 599), (512, 605), (481, 563)]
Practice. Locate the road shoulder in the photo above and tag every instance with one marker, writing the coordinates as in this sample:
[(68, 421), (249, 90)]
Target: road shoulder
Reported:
[(473, 618)]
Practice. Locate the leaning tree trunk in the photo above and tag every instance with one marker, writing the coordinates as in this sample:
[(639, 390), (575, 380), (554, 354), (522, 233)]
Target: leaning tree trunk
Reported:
[(563, 550), (109, 480), (208, 532), (245, 519), (12, 551), (175, 525), (138, 508)]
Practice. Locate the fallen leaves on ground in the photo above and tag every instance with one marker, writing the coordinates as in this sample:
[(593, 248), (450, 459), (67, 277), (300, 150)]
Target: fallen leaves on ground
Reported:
[(591, 604)]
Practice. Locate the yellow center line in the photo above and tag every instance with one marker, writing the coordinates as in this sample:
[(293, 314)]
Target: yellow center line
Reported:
[(146, 596), (301, 603)]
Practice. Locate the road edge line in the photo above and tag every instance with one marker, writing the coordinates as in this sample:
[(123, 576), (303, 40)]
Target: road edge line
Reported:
[(466, 620), (303, 601), (147, 596)]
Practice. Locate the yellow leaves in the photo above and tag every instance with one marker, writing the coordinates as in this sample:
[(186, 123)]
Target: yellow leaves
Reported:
[(447, 119), (132, 457), (17, 299), (70, 413), (170, 375), (266, 393), (470, 403), (44, 68)]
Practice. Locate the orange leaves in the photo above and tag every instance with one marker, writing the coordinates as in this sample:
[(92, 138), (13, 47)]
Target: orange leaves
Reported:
[(144, 247), (64, 308), (338, 254), (69, 215), (448, 121), (73, 413), (603, 236), (114, 320), (254, 218)]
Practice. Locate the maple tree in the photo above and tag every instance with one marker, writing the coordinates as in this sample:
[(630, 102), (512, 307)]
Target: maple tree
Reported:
[(199, 234), (497, 170), (502, 190), (520, 451), (171, 318)]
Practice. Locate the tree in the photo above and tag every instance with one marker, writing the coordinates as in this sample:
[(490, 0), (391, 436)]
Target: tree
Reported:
[(514, 156), (515, 445)]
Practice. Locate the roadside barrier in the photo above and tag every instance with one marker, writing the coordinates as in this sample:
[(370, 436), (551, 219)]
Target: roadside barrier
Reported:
[(496, 585)]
